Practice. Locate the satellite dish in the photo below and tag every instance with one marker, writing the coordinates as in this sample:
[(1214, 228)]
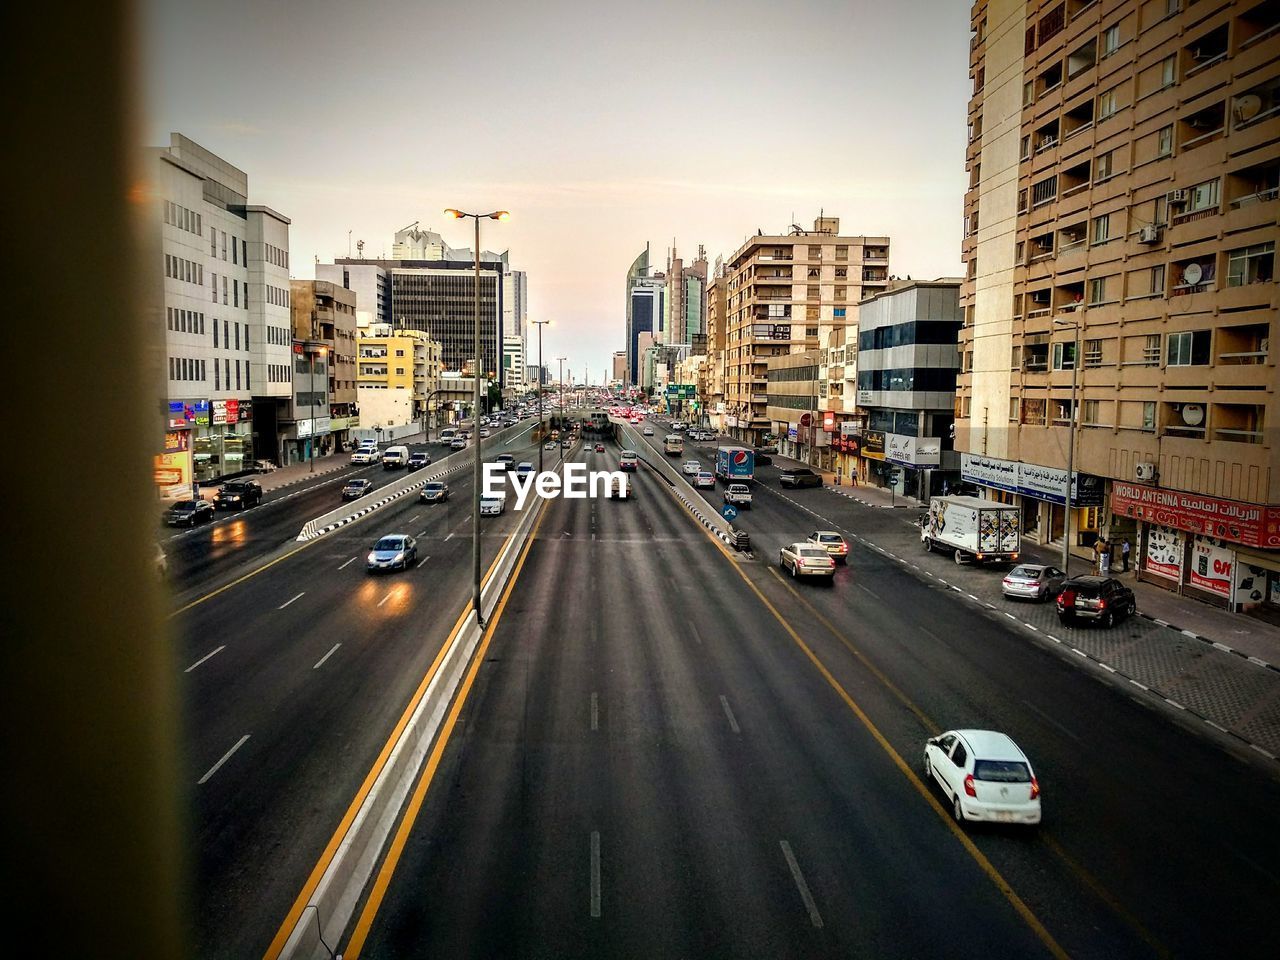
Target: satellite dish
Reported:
[(1192, 414), (1192, 273), (1246, 107)]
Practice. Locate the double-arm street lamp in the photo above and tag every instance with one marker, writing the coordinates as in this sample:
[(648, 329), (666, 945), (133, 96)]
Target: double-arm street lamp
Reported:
[(1071, 442), (479, 366), (542, 425)]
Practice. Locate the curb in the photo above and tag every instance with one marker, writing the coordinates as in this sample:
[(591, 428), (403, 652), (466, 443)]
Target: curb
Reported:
[(1213, 643), (868, 503), (309, 476)]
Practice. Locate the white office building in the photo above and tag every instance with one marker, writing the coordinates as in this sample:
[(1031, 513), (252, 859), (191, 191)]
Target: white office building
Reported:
[(513, 364)]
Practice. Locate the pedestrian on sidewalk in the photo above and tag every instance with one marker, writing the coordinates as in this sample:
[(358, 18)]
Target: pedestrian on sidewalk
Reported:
[(1124, 554), (1104, 558), (1098, 546)]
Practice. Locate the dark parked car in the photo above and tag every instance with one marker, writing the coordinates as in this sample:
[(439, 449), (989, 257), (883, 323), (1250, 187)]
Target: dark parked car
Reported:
[(762, 458), (798, 477), (418, 460), (1102, 599), (355, 489), (237, 495), (187, 513)]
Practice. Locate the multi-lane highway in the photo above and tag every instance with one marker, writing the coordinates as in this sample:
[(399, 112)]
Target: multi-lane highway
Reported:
[(670, 750)]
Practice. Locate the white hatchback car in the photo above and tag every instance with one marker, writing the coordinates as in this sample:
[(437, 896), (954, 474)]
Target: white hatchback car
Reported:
[(984, 776)]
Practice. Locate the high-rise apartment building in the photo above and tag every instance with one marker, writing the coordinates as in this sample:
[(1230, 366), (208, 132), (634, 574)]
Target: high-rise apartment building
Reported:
[(398, 371), (228, 336), (684, 309), (788, 294), (618, 373), (712, 394), (325, 312), (645, 297), (513, 364), (1120, 230)]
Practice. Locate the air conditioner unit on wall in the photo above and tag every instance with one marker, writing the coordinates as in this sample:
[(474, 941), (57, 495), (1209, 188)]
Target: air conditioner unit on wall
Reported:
[(1149, 234), (1145, 471), (1177, 196)]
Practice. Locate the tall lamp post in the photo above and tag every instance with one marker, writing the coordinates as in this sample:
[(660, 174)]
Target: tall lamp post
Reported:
[(1071, 441), (311, 448), (560, 388), (542, 426), (479, 366)]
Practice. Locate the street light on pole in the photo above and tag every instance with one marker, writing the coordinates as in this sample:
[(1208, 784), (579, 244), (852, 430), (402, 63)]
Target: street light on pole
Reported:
[(542, 426), (1071, 442), (560, 386), (479, 365)]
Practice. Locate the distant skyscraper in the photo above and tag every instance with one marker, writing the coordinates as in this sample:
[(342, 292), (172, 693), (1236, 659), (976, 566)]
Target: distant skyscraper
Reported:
[(645, 297)]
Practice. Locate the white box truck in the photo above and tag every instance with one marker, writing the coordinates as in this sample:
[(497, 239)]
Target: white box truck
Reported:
[(977, 530)]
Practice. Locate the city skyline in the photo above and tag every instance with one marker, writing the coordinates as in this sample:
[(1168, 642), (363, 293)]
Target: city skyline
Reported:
[(561, 147)]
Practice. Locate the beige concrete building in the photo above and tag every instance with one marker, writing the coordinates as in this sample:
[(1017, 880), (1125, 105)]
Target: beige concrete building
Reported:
[(793, 402), (325, 312), (787, 294), (711, 389), (1123, 174), (399, 372), (619, 371)]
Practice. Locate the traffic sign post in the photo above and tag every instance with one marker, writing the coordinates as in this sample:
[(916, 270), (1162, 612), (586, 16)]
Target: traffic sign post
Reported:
[(729, 512)]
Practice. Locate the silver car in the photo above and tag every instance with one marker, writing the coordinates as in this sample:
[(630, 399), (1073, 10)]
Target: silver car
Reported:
[(392, 552), (1032, 581), (807, 560)]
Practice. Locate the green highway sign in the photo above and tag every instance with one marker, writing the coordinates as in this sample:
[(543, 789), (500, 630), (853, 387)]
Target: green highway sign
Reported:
[(681, 391)]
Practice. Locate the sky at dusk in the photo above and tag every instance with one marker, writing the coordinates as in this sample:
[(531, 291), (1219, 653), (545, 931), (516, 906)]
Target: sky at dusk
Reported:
[(600, 126)]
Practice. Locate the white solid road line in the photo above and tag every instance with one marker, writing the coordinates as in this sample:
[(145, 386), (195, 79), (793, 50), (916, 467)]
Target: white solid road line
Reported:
[(287, 602), (595, 873), (728, 712), (386, 598), (320, 662), (449, 537), (422, 561), (349, 563), (225, 757), (204, 658), (595, 711), (417, 515), (814, 916)]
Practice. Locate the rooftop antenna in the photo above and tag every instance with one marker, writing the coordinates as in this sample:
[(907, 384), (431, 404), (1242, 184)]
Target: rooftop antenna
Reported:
[(348, 244), (360, 249)]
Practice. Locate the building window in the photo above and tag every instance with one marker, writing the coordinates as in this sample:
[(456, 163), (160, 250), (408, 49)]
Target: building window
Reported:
[(1254, 264), (1164, 141), (1098, 290), (1111, 40), (1064, 356), (1168, 72), (1108, 104), (1149, 416), (1189, 348), (1093, 353), (1102, 228)]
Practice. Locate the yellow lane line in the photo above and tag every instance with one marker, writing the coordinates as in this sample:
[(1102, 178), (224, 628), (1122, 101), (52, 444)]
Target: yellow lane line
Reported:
[(309, 888), (1015, 901), (388, 868)]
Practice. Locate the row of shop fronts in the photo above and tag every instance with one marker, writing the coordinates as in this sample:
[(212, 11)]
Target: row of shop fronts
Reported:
[(1222, 551), (210, 440)]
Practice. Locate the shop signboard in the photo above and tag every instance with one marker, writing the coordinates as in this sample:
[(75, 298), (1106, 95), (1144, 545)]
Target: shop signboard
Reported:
[(828, 421), (793, 434), (849, 428), (873, 445), (245, 412), (176, 441), (1211, 566), (915, 451), (730, 421), (233, 410), (1030, 479), (219, 409), (172, 469), (184, 414), (1164, 553), (1250, 524)]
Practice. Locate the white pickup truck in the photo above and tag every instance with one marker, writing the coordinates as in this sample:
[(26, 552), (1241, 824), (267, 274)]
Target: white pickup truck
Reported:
[(738, 494)]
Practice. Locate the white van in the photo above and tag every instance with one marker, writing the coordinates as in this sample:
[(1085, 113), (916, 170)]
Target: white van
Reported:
[(447, 434), (395, 457)]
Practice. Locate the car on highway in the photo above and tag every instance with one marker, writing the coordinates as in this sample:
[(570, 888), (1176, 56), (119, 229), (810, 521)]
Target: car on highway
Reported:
[(805, 560), (799, 477), (458, 443), (691, 467), (599, 448), (437, 491), (705, 480), (619, 490), (567, 442), (524, 469), (738, 494), (984, 775), (395, 457), (832, 542), (628, 460), (648, 431), (506, 460), (484, 432), (491, 506), (355, 489), (391, 552), (550, 445), (366, 455), (1032, 581), (187, 513), (418, 459), (238, 495), (1104, 600)]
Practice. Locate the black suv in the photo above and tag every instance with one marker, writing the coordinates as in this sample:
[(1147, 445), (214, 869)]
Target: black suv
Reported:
[(237, 495), (799, 477), (418, 460), (1103, 599)]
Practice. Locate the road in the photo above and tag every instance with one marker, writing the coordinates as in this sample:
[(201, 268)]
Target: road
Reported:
[(672, 752), (292, 680)]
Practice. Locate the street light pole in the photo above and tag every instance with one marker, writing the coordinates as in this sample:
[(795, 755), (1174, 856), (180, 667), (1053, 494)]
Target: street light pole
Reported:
[(560, 385), (1071, 444), (542, 426), (476, 468)]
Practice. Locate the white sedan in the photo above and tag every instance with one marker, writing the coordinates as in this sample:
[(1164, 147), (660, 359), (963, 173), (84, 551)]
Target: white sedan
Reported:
[(692, 467), (984, 776)]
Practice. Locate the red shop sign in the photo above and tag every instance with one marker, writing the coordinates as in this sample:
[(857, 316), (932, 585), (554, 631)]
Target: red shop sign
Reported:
[(1251, 524)]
